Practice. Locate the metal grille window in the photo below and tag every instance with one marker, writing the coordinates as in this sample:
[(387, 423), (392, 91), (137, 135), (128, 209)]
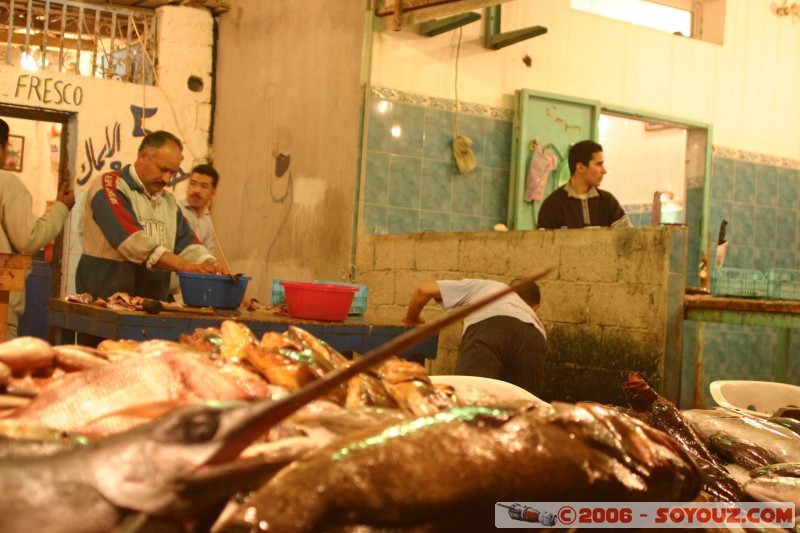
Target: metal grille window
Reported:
[(69, 36)]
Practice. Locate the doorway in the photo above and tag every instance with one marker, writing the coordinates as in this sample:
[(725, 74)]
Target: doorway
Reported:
[(646, 164), (555, 122), (41, 141)]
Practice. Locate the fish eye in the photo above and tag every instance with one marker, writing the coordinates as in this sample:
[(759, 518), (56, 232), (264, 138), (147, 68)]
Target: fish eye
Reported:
[(201, 427)]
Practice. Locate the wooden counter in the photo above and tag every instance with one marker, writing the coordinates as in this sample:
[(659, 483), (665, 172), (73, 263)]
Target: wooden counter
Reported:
[(356, 333), (781, 314)]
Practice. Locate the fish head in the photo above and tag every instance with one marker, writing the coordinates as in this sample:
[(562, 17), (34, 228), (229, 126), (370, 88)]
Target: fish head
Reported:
[(184, 460)]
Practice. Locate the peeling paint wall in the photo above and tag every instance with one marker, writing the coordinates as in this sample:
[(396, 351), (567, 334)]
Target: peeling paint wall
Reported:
[(288, 85), (613, 304)]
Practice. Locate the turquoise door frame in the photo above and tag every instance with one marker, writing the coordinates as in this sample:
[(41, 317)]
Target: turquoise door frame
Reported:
[(556, 122)]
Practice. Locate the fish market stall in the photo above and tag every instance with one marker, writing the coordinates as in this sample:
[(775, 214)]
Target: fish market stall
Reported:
[(356, 333), (224, 432)]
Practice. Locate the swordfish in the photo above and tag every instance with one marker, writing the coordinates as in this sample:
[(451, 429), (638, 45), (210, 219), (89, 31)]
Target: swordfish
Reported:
[(175, 466)]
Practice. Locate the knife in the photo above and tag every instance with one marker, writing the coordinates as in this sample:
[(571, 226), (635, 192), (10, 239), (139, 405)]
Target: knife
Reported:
[(722, 245)]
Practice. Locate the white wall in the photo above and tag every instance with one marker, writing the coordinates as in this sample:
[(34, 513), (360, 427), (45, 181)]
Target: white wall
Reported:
[(101, 108), (746, 88), (39, 164)]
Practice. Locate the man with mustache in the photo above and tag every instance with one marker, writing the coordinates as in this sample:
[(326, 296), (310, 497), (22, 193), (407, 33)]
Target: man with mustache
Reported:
[(195, 205), (134, 232)]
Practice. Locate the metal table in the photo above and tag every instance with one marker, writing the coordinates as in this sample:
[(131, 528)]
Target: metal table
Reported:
[(354, 334), (781, 314)]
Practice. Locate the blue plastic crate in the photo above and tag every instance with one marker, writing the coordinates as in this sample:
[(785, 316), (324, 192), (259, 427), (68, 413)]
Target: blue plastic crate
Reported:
[(278, 294), (784, 284), (359, 306), (741, 282)]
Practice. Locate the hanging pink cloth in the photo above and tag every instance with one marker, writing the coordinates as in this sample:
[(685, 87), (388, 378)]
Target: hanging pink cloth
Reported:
[(542, 164)]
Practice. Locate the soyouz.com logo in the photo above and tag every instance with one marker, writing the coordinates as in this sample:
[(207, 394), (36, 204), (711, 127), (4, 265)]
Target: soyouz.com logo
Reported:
[(644, 514)]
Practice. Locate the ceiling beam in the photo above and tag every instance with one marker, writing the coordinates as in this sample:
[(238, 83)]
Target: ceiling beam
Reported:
[(439, 26), (418, 11)]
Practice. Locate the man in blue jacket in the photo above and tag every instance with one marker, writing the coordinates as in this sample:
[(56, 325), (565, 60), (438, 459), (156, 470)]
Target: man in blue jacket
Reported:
[(134, 233)]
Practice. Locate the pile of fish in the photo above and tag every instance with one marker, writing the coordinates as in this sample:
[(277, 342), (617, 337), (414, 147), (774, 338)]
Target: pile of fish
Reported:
[(228, 433), (741, 457)]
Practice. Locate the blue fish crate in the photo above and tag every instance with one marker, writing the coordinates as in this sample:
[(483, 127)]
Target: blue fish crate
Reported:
[(359, 306), (278, 293), (784, 284), (740, 282)]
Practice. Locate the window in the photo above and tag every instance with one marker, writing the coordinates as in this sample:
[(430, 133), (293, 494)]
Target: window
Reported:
[(68, 36), (699, 19)]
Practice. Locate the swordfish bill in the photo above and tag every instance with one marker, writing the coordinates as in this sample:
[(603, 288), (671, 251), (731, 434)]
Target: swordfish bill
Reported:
[(282, 408)]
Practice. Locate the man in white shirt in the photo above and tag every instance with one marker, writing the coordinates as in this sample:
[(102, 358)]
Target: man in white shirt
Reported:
[(195, 205), (504, 340)]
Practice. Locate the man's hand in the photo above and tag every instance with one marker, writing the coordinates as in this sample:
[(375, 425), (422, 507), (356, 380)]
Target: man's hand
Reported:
[(212, 266), (66, 195), (413, 322)]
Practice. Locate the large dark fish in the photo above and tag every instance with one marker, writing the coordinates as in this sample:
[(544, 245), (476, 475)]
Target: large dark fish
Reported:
[(446, 471), (665, 415), (174, 466)]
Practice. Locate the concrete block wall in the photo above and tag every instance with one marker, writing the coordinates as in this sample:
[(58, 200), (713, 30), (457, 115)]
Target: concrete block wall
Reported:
[(609, 305)]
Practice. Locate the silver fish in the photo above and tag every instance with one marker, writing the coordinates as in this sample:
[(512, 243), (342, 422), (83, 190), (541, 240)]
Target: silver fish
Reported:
[(781, 442), (172, 467), (775, 489)]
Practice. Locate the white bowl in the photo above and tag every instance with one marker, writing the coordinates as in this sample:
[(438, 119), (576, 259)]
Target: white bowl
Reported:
[(757, 398), (502, 390)]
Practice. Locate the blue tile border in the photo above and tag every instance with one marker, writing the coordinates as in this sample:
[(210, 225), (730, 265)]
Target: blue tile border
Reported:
[(435, 102)]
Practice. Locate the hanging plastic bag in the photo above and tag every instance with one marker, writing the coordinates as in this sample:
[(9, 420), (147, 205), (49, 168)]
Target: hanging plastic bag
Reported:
[(465, 157), (542, 164)]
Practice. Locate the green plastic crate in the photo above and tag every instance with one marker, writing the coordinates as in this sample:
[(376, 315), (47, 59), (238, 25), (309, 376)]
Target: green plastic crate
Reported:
[(741, 282), (784, 284), (359, 306)]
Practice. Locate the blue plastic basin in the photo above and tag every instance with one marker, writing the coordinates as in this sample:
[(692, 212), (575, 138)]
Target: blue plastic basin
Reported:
[(212, 290)]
